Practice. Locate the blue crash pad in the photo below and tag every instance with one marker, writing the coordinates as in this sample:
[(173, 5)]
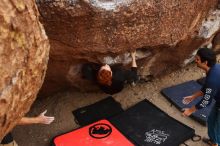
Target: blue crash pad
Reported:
[(176, 93)]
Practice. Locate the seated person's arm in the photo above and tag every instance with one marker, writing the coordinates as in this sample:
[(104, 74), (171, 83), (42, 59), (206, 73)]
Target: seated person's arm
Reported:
[(40, 119)]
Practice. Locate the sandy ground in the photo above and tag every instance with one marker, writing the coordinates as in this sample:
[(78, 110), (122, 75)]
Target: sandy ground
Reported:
[(61, 106)]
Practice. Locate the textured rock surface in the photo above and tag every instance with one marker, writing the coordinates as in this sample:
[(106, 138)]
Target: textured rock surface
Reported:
[(24, 51), (91, 30)]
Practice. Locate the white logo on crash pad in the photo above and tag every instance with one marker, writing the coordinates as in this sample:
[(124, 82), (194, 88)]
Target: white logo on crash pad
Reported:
[(156, 136)]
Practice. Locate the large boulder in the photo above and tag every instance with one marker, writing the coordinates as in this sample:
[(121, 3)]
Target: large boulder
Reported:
[(24, 52), (104, 31)]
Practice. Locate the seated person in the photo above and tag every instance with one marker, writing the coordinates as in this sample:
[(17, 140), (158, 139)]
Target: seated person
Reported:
[(111, 80)]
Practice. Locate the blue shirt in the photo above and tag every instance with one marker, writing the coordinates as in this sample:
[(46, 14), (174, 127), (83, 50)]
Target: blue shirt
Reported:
[(211, 88)]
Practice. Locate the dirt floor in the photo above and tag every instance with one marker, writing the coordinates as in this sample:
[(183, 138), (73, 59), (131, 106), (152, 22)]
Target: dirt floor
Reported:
[(61, 106)]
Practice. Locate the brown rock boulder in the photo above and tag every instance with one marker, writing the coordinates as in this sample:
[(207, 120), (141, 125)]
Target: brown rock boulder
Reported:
[(103, 30), (24, 50)]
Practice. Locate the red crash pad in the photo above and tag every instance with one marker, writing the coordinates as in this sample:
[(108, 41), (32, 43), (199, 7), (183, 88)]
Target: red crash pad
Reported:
[(101, 133)]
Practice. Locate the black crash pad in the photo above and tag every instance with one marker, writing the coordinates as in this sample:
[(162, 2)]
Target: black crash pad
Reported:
[(146, 125), (176, 93), (103, 109)]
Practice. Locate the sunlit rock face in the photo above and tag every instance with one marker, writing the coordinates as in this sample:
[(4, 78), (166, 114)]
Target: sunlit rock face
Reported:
[(24, 52), (163, 31)]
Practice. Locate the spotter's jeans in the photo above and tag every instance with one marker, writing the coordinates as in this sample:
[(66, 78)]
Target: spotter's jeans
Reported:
[(214, 125)]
